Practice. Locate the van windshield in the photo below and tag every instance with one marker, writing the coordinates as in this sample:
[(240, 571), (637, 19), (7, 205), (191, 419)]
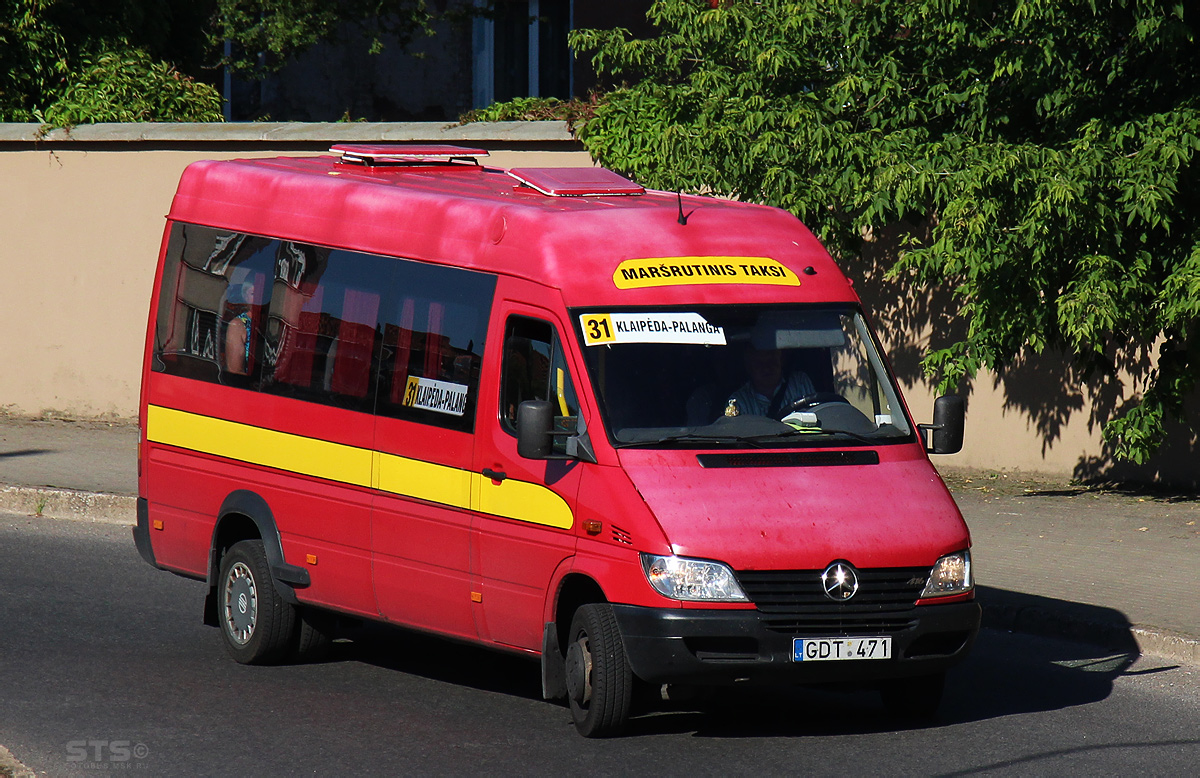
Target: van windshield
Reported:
[(739, 376)]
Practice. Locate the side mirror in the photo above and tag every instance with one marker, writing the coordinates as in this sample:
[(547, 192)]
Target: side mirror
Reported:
[(535, 420), (949, 420)]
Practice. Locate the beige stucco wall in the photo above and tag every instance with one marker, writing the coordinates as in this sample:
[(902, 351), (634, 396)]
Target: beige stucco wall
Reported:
[(81, 219)]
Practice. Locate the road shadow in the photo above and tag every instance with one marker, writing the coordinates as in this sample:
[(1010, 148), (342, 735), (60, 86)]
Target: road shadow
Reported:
[(1035, 654), (25, 452), (438, 659), (1032, 614)]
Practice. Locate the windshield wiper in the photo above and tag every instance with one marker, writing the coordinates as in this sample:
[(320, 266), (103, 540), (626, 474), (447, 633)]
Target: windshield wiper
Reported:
[(794, 433)]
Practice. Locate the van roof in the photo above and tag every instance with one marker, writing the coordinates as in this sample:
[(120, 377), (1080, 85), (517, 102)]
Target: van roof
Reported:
[(461, 213)]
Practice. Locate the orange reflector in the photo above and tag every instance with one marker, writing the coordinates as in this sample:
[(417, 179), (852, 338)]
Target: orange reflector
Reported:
[(593, 527), (476, 596), (311, 558), (158, 524)]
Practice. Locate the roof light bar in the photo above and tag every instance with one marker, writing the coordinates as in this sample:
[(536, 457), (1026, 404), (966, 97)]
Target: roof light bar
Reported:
[(397, 153), (576, 182)]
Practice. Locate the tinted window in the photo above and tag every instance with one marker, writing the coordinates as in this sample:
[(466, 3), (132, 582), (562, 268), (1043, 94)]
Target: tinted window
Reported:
[(322, 330), (335, 327), (535, 368), (433, 328), (213, 305), (740, 376)]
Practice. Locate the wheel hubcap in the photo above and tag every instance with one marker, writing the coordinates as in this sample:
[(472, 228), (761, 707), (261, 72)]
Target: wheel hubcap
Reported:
[(241, 603), (579, 671)]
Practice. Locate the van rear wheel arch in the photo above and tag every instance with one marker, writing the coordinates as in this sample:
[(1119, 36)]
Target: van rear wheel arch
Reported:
[(245, 515)]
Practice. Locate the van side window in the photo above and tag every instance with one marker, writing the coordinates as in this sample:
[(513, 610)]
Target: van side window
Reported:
[(434, 326), (342, 328), (213, 306), (321, 337), (535, 368)]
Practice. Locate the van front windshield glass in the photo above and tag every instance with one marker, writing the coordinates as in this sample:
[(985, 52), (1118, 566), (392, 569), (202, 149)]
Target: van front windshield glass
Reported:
[(739, 376)]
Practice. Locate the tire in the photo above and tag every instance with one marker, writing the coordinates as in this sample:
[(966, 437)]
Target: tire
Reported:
[(258, 626), (913, 699), (315, 635), (599, 681)]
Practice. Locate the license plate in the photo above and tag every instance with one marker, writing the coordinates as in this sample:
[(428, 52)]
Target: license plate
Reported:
[(840, 649)]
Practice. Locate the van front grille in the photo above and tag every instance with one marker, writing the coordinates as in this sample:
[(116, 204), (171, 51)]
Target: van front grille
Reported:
[(793, 601)]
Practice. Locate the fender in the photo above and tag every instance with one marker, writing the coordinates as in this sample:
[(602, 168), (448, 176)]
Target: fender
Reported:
[(287, 578), (554, 671), (624, 582)]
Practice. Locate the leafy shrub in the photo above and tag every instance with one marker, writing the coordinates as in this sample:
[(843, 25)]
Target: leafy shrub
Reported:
[(124, 84), (574, 112)]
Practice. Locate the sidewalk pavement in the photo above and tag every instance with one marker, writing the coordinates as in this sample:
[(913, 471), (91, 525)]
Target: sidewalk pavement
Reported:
[(1117, 569)]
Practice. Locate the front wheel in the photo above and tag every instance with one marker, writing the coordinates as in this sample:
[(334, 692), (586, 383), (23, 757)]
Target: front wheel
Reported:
[(599, 681), (257, 624)]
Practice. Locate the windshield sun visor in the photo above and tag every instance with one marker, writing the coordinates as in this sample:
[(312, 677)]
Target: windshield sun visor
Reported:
[(797, 329)]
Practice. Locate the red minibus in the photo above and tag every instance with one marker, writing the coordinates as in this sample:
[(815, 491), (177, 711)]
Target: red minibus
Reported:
[(644, 438)]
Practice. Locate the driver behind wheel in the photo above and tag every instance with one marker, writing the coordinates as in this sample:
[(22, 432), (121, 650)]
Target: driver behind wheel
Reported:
[(768, 390)]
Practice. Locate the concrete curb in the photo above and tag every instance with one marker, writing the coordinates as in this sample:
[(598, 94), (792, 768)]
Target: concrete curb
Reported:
[(10, 766), (69, 504), (1009, 614), (1167, 645)]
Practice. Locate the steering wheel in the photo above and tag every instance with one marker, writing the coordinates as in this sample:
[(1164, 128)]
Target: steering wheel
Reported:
[(809, 401)]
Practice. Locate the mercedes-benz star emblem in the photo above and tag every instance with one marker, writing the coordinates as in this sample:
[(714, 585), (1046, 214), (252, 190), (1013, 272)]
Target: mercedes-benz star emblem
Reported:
[(839, 581)]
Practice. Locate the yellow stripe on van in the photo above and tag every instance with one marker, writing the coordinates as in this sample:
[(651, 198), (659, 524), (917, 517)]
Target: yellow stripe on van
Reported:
[(424, 480), (521, 500), (258, 446), (512, 499)]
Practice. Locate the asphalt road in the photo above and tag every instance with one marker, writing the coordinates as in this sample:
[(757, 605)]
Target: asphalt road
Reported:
[(104, 666)]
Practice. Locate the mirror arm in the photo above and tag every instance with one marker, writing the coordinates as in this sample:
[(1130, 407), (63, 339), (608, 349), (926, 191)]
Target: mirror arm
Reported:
[(579, 446), (925, 438)]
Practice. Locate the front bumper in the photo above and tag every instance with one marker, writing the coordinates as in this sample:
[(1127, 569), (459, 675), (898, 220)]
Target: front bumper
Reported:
[(725, 646)]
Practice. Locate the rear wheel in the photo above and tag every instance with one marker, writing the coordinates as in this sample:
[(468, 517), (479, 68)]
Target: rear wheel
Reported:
[(599, 681), (259, 627), (913, 698)]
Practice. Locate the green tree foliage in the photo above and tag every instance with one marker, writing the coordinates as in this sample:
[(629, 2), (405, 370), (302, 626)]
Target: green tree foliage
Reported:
[(73, 58), (54, 50), (536, 109), (1047, 149), (128, 86), (267, 32)]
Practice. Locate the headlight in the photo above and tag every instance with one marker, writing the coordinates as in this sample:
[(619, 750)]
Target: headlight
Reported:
[(692, 579), (951, 575)]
